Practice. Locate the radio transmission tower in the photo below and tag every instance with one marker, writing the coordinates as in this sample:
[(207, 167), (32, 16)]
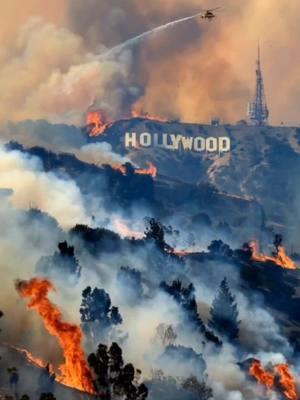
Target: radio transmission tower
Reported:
[(258, 112)]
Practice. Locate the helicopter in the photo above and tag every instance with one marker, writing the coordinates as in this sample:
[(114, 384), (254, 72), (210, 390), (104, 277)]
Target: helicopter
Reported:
[(209, 14)]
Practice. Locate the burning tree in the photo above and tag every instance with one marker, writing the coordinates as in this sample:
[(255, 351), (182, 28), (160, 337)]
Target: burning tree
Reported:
[(113, 378), (97, 313), (278, 257), (224, 313)]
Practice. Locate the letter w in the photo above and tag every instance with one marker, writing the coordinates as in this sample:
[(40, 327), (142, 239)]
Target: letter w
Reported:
[(187, 142)]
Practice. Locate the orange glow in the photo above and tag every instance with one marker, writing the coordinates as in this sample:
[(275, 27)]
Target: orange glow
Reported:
[(96, 123), (287, 381), (121, 168), (74, 372), (281, 258), (38, 362), (267, 379), (152, 170), (138, 113), (181, 253), (262, 376), (124, 231)]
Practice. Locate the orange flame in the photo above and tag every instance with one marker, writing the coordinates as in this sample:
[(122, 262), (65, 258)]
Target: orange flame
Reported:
[(38, 362), (124, 231), (262, 376), (96, 123), (287, 381), (266, 378), (121, 168), (181, 253), (281, 258), (75, 371), (152, 170), (138, 113)]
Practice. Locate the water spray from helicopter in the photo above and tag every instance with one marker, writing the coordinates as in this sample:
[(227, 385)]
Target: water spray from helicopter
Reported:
[(207, 14)]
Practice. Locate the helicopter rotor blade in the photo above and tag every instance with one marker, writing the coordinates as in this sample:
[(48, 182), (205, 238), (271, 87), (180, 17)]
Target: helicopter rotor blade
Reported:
[(214, 9)]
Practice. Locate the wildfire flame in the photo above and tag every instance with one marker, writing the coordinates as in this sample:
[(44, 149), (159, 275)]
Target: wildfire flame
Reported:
[(138, 113), (181, 253), (262, 376), (97, 123), (125, 231), (287, 381), (74, 372), (38, 362), (267, 378), (151, 170), (281, 258), (121, 168)]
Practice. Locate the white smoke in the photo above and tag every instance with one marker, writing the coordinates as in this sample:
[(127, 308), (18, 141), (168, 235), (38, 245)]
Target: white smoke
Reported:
[(33, 187), (99, 154)]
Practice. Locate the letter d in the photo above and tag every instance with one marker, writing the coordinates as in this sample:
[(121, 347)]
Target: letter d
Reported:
[(224, 144)]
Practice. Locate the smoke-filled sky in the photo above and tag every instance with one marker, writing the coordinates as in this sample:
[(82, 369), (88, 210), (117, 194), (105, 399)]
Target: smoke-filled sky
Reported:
[(194, 71)]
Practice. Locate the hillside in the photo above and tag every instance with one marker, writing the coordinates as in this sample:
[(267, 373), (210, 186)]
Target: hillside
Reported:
[(263, 163)]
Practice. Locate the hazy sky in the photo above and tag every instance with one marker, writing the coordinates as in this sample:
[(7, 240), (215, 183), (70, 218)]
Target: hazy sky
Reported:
[(195, 71)]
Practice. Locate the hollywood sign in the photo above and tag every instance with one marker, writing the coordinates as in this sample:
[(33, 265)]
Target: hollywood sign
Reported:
[(178, 142)]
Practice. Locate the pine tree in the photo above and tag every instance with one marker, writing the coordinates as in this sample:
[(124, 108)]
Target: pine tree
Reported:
[(224, 313), (185, 297)]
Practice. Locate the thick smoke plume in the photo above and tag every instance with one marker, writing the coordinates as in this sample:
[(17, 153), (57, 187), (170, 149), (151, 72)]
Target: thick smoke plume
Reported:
[(33, 187), (50, 70)]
